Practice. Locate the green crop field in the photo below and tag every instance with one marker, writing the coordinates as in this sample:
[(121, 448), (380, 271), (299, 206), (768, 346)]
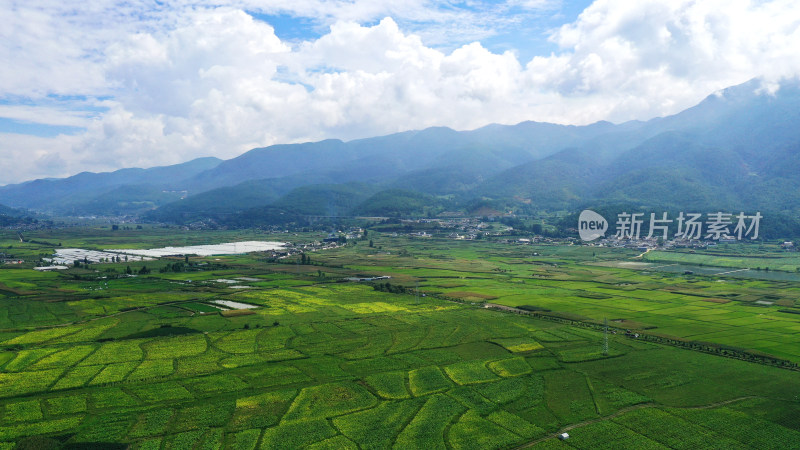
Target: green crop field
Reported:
[(502, 346)]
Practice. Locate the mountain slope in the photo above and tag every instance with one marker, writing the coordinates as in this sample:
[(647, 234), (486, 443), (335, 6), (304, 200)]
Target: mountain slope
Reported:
[(738, 148), (62, 195)]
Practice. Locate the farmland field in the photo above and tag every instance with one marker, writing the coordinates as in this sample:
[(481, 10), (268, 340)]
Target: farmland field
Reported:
[(503, 346)]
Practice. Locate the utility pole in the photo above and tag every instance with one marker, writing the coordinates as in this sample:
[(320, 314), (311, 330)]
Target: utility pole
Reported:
[(605, 336)]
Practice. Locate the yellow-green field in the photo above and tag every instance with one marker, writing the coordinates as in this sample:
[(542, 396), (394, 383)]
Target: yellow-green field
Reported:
[(95, 357)]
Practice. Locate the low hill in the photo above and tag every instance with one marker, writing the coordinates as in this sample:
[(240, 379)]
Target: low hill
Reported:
[(64, 195)]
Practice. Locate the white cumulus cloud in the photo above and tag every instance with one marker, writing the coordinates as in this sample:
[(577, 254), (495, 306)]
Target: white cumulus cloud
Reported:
[(195, 81)]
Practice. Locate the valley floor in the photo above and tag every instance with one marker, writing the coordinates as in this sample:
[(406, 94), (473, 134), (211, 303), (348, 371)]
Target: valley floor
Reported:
[(95, 356)]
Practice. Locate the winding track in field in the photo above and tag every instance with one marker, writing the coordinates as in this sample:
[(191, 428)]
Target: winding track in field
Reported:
[(626, 410)]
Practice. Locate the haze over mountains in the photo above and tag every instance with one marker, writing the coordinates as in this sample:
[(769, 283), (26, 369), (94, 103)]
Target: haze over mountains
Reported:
[(739, 149)]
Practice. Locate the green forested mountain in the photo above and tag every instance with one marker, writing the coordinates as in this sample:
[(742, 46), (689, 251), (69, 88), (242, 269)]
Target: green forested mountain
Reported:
[(398, 202), (325, 199), (737, 149), (219, 202), (11, 212), (10, 217)]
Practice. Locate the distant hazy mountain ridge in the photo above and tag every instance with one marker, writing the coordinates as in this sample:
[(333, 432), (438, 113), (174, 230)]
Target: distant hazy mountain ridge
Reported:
[(737, 149)]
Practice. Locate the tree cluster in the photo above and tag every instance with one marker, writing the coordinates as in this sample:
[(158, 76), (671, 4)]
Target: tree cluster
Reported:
[(174, 267), (388, 287)]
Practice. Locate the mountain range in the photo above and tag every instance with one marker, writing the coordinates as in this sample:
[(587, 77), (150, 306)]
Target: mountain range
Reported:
[(738, 149)]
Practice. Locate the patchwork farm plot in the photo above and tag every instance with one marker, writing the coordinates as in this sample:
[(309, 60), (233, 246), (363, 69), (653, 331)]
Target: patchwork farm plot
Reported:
[(302, 359)]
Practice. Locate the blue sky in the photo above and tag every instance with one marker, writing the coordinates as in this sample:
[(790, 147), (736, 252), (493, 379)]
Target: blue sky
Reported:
[(110, 84), (527, 37), (36, 129)]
